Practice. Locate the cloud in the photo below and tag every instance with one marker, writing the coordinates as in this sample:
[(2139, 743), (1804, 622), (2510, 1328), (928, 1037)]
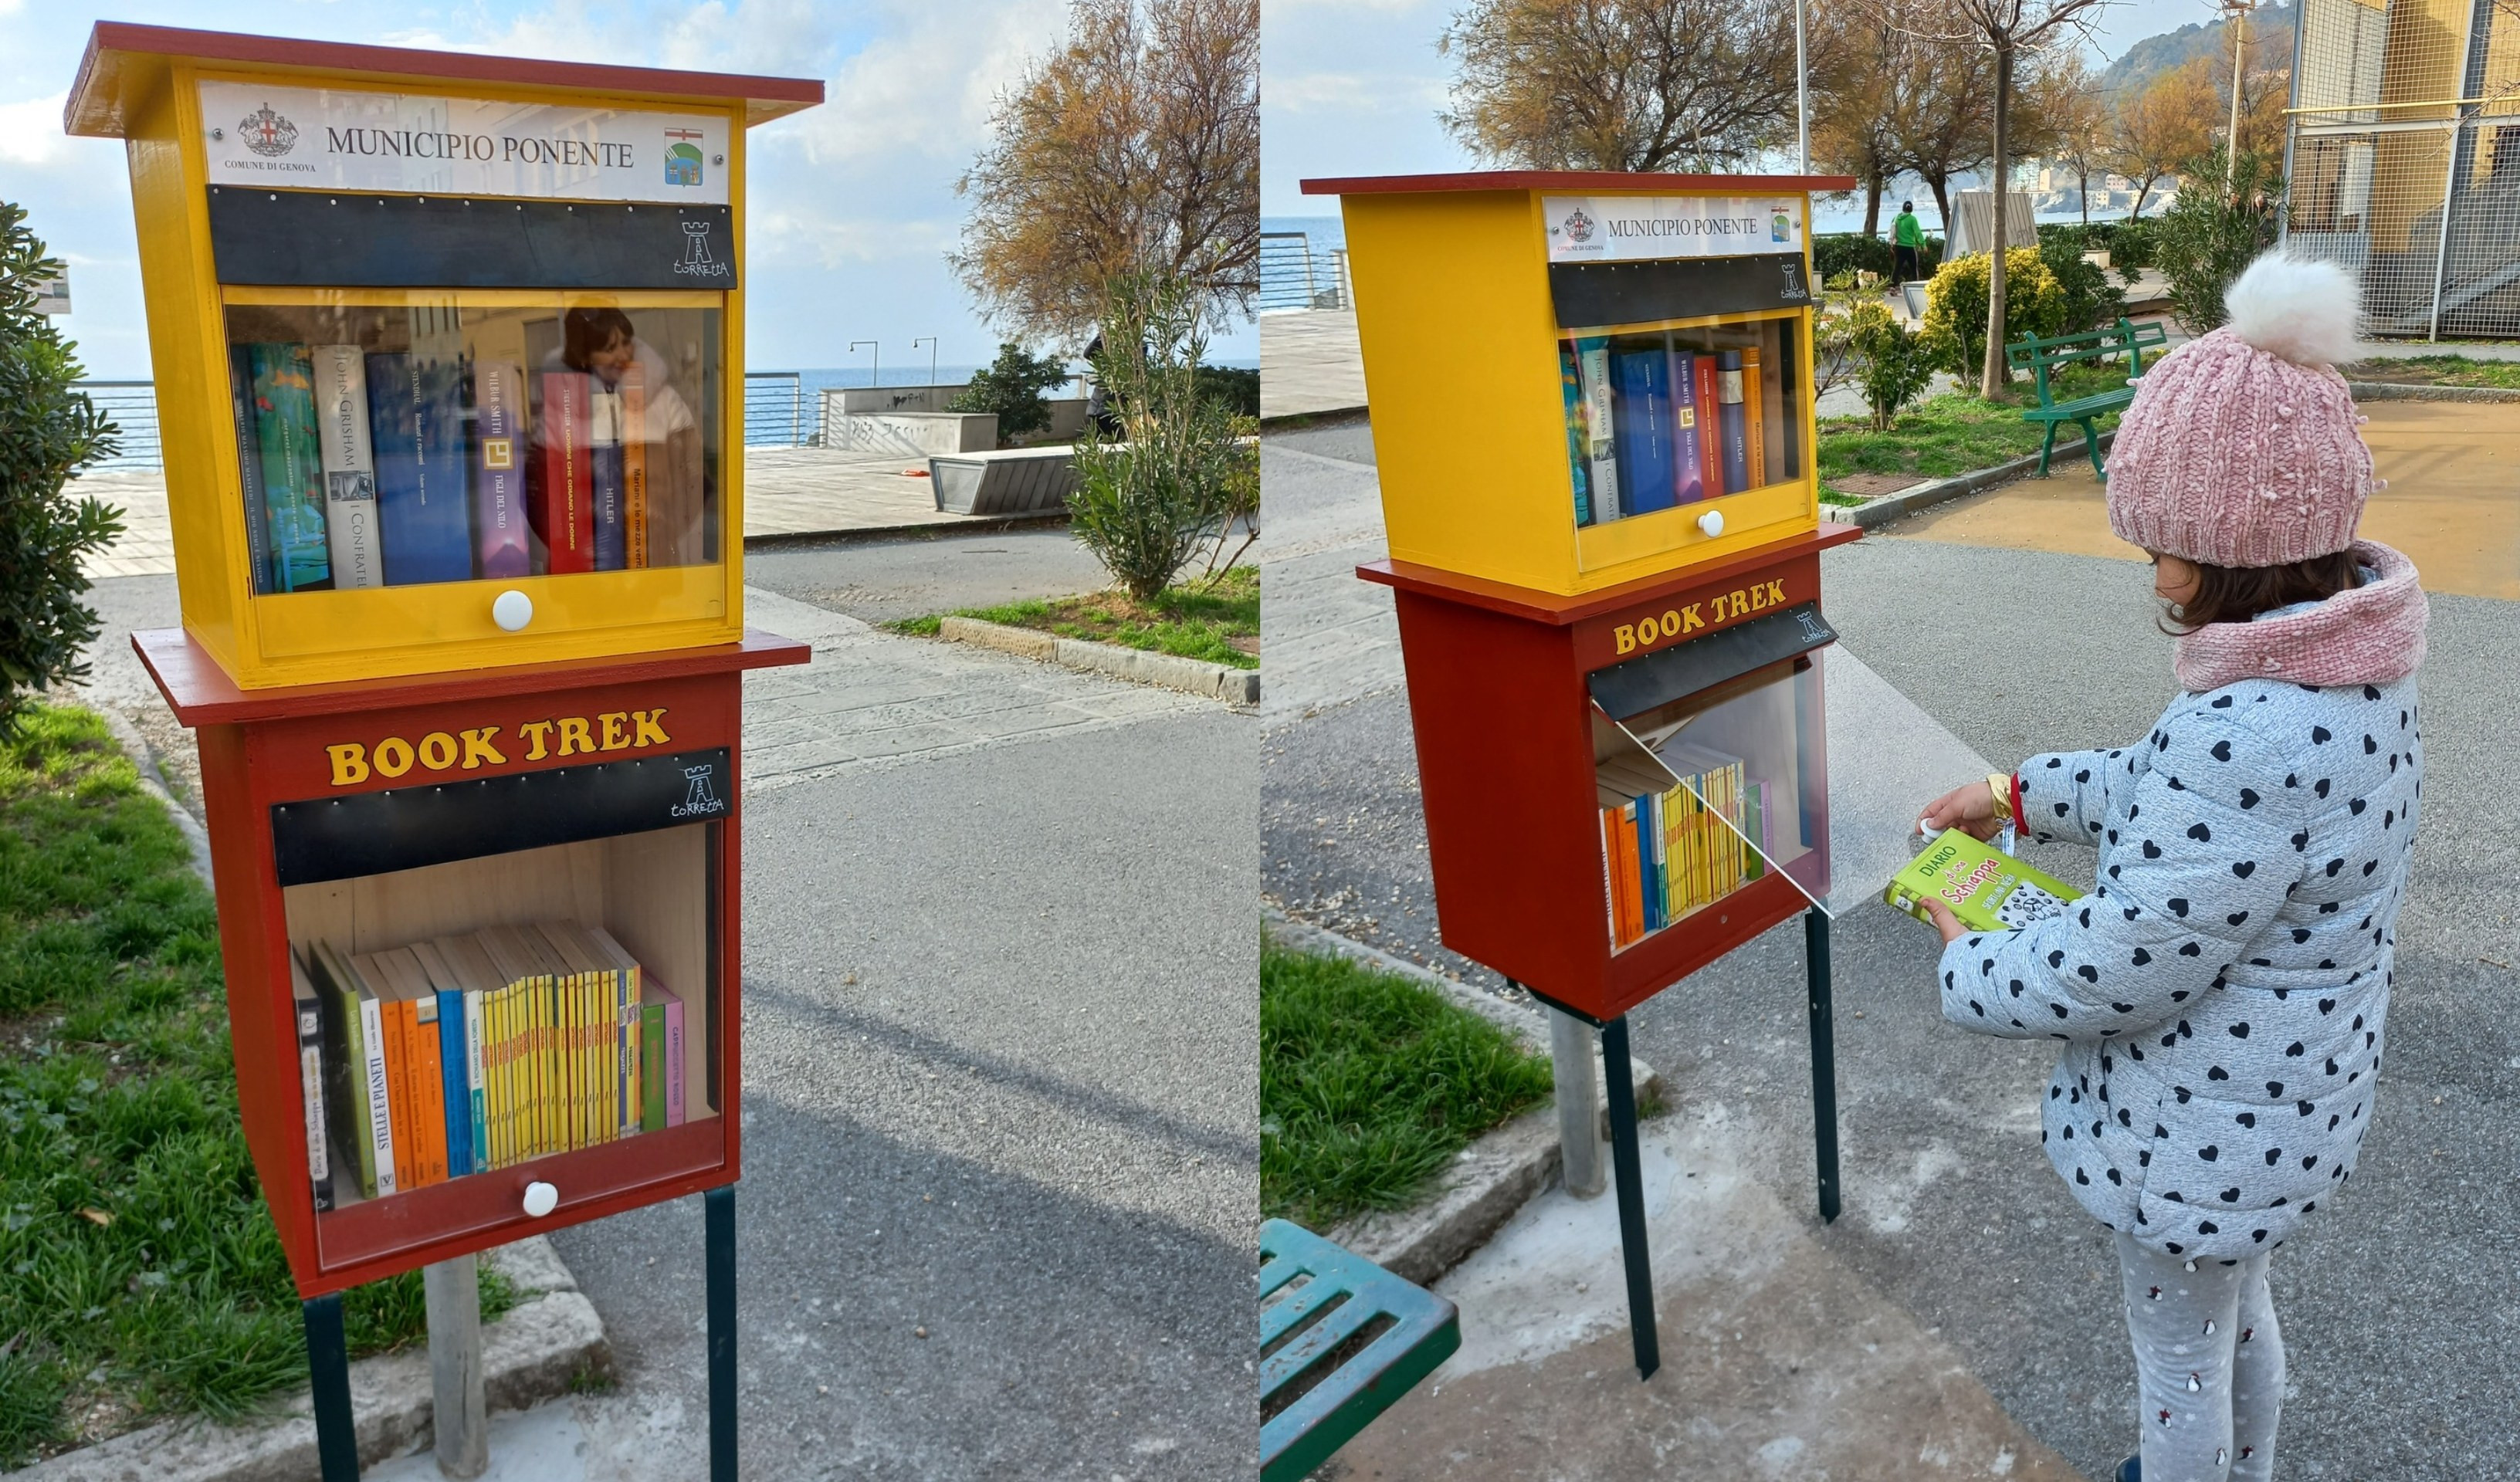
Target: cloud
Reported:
[(30, 132), (1352, 92), (929, 85)]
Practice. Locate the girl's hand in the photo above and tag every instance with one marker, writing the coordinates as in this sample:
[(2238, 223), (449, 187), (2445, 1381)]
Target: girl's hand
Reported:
[(1969, 808), (1944, 921)]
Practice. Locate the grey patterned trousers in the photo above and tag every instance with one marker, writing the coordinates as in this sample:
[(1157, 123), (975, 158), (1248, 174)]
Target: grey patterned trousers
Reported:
[(2209, 1365)]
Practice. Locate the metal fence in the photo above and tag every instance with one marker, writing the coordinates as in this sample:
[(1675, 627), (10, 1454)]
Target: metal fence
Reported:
[(774, 411), (1294, 276), (2403, 162), (133, 406)]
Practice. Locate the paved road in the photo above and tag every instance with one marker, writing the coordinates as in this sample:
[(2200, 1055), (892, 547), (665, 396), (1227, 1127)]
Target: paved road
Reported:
[(2397, 1303), (912, 576)]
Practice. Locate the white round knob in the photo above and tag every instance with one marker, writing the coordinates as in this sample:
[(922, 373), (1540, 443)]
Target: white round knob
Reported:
[(1711, 522), (541, 1198), (511, 610)]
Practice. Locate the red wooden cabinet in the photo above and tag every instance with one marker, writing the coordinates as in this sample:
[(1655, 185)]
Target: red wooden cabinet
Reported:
[(373, 814), (1509, 690)]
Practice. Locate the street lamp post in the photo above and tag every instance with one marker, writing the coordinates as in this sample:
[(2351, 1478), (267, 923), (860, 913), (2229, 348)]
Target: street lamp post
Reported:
[(928, 340), (874, 376), (2238, 11)]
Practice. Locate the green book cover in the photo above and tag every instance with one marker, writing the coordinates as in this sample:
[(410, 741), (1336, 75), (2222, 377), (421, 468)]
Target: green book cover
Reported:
[(652, 1059), (293, 465), (1988, 889)]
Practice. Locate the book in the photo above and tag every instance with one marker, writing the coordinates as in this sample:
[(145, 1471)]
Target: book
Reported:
[(1731, 421), (1690, 478), (1570, 386), (372, 1071), (652, 1004), (258, 527), (417, 1085), (1700, 394), (310, 1078), (293, 469), (454, 1087), (680, 1044), (603, 474), (1988, 889), (1754, 409), (634, 466), (500, 546), (561, 508), (416, 424), (630, 1020), (1643, 409), (345, 1095), (1785, 428), (349, 465), (1600, 426)]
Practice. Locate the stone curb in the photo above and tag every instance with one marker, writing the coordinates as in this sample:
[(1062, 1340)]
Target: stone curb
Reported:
[(528, 1356), (1239, 687), (1881, 511), (2401, 391), (1494, 1176), (969, 524)]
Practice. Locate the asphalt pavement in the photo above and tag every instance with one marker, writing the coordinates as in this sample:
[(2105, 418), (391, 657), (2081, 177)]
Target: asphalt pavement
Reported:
[(2404, 1336), (914, 575)]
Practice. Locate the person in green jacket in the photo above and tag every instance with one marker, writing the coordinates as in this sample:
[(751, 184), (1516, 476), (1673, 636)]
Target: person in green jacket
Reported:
[(1905, 237)]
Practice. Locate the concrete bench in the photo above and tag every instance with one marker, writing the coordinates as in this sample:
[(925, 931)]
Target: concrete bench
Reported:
[(1011, 481)]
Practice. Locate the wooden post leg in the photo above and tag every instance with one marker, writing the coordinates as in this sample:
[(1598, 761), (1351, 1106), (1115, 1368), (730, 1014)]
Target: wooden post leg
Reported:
[(1627, 1164), (328, 1367), (460, 1418), (718, 1214), (1579, 1117), (1824, 1043)]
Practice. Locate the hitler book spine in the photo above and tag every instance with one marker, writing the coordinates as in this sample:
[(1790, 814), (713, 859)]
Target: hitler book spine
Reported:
[(1732, 421), (604, 468)]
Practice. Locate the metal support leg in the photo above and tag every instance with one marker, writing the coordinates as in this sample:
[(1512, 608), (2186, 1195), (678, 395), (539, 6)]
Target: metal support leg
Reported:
[(1824, 1041), (1579, 1117), (1628, 1167), (327, 1365), (718, 1209)]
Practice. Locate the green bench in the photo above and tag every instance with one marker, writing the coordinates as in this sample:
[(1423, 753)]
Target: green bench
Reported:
[(2041, 356), (1341, 1340)]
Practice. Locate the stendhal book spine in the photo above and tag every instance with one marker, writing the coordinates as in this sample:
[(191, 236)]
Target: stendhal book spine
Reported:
[(350, 466)]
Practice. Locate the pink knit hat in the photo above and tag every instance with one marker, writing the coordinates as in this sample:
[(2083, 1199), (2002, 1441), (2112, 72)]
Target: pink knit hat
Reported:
[(2240, 448)]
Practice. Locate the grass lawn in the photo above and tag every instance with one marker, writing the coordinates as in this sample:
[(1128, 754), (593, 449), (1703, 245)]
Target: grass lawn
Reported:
[(1955, 432), (2440, 370), (1219, 623), (139, 1274), (1370, 1084)]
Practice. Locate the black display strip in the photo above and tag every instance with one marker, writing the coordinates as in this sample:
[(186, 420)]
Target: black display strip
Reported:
[(1588, 293), (336, 839), (321, 239), (1637, 684)]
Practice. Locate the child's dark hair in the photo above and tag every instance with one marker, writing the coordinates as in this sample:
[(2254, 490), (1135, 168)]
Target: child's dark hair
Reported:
[(587, 331), (2237, 594)]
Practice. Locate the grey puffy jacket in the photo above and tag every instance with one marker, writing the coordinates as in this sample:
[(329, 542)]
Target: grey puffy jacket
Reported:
[(2221, 993)]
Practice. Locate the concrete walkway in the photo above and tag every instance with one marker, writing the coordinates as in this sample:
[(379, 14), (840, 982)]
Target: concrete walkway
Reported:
[(1309, 363)]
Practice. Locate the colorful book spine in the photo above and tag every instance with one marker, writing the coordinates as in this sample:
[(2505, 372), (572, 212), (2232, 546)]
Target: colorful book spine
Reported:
[(1688, 472), (372, 1042), (428, 1085), (604, 468), (634, 466), (676, 1098), (562, 509), (1642, 378), (345, 1091), (1600, 424), (258, 522), (1732, 421), (350, 466), (1570, 385), (477, 1091), (293, 467), (454, 1091), (1701, 392), (311, 1077), (416, 417), (499, 545), (1754, 409)]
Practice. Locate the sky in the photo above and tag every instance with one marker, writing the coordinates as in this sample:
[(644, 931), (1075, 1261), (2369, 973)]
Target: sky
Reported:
[(1351, 87), (851, 206)]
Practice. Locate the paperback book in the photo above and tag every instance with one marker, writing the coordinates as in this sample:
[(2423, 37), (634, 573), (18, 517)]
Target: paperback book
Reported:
[(1986, 890)]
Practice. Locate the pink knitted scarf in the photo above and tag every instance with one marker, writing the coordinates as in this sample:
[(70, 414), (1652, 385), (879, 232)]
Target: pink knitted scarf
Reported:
[(2369, 636)]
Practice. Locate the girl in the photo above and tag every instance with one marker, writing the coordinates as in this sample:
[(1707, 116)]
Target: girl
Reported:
[(2220, 994)]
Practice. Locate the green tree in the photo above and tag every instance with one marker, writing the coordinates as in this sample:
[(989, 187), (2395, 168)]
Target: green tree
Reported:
[(1011, 385), (1175, 477), (2209, 235), (1892, 366), (49, 431), (1955, 307)]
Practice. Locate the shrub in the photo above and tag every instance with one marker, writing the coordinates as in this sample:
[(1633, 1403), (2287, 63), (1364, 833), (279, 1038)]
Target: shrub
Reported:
[(1954, 330), (2131, 247), (48, 432), (2209, 235), (1843, 253), (1237, 388), (2090, 299), (1146, 501), (1012, 386), (1892, 365)]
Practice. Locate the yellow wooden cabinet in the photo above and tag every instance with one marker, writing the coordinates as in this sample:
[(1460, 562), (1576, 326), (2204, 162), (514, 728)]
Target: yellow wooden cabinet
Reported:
[(1581, 380), (448, 349)]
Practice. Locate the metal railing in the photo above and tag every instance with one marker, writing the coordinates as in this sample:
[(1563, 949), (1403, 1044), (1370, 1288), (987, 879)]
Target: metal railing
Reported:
[(1294, 276), (133, 406), (774, 411)]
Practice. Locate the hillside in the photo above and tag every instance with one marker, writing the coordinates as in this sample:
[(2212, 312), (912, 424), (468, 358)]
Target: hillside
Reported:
[(2154, 54)]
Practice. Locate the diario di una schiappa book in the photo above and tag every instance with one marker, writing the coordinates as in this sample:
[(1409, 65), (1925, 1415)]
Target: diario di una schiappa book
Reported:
[(1986, 890)]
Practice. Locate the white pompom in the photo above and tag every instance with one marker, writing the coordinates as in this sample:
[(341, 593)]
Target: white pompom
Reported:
[(2301, 310)]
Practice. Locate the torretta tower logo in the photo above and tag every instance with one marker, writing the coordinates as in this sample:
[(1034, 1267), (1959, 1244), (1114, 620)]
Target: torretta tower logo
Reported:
[(267, 133)]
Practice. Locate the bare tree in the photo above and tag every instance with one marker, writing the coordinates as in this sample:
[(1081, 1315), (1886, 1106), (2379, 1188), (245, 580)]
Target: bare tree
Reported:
[(2164, 125), (2011, 32), (1621, 84), (1860, 101), (2079, 116), (1133, 149), (1945, 121)]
